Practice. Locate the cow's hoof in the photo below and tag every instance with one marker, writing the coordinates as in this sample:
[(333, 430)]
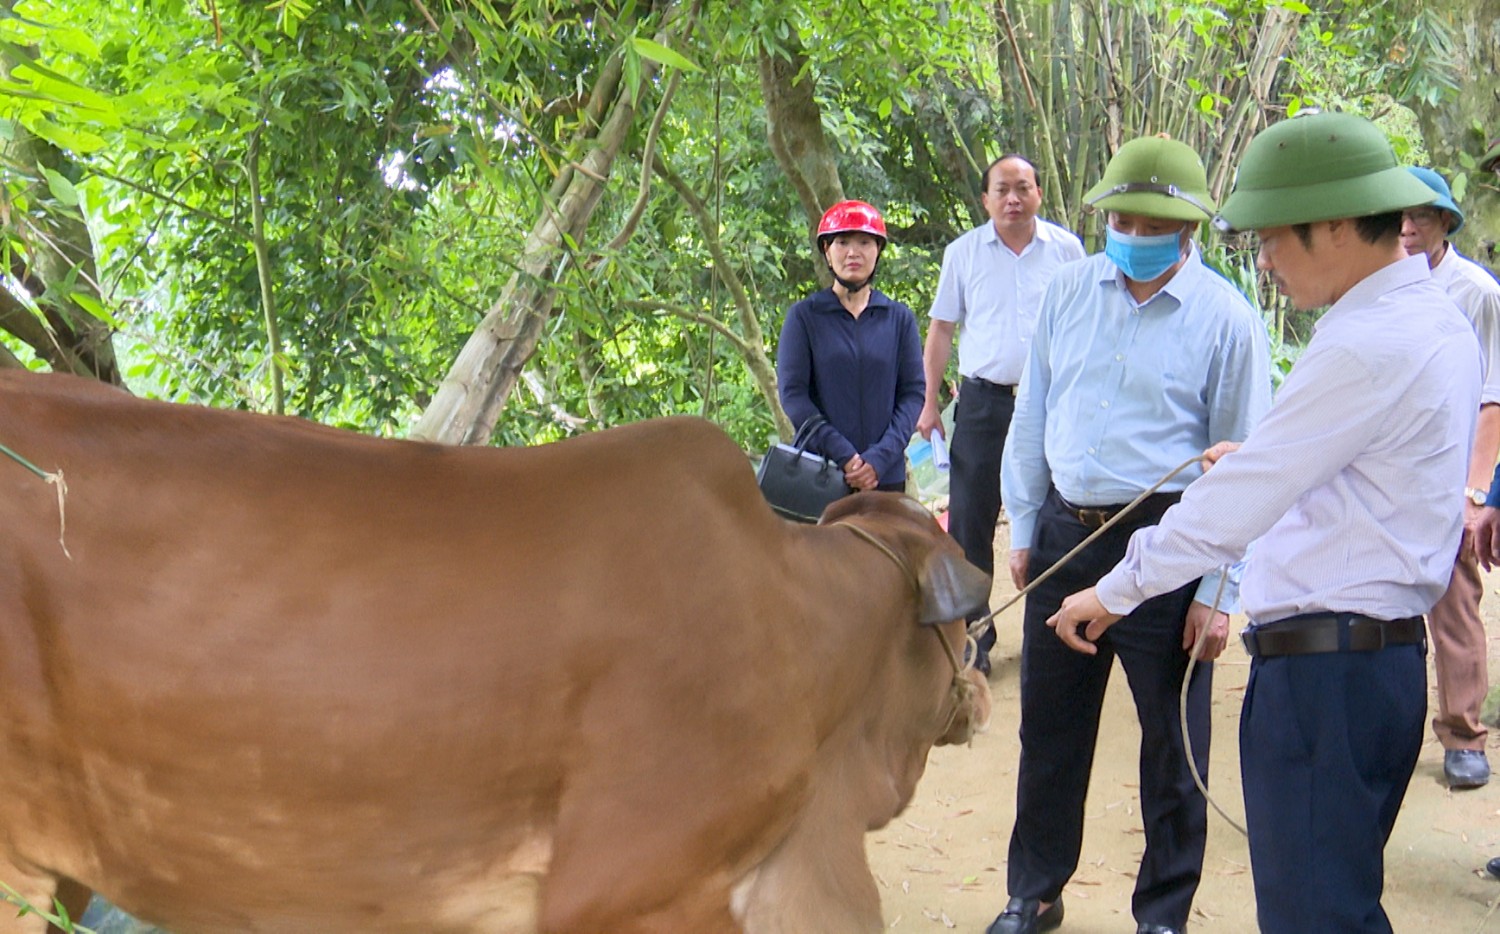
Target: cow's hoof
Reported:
[(1023, 916)]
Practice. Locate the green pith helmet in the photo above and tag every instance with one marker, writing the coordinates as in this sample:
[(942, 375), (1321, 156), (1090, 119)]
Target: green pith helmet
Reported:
[(1320, 167), (1157, 177)]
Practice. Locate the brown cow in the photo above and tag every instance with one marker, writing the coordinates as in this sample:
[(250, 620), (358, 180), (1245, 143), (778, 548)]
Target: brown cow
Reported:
[(288, 678)]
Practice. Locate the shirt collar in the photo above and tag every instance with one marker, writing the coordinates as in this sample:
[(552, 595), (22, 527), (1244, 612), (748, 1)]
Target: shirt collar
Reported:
[(1180, 287), (1041, 233), (1367, 291), (825, 300)]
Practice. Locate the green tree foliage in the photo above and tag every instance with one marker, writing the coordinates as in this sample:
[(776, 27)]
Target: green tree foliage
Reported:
[(405, 152)]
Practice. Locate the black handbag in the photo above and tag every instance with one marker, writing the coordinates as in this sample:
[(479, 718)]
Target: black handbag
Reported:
[(797, 483)]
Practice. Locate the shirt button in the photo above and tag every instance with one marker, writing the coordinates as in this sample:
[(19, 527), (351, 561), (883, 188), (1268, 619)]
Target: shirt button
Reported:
[(1091, 450), (1104, 404), (1119, 357)]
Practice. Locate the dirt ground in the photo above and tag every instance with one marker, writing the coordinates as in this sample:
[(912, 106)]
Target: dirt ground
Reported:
[(941, 864)]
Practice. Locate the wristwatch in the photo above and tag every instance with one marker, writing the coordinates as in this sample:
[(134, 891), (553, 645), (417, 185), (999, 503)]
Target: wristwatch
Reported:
[(1476, 495)]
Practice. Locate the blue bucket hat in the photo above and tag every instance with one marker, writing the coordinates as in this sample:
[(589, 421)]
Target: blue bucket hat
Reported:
[(1444, 200)]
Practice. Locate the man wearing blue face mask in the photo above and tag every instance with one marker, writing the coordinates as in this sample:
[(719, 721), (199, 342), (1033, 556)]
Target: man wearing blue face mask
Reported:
[(1143, 357)]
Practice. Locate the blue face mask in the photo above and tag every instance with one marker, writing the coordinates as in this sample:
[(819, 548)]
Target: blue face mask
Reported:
[(1142, 258)]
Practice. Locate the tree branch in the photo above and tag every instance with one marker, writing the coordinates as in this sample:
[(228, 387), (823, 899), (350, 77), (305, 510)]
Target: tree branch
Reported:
[(648, 156), (698, 317)]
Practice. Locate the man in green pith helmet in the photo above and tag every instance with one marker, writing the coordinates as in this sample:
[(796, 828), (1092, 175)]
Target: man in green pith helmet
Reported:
[(1351, 488), (1142, 358)]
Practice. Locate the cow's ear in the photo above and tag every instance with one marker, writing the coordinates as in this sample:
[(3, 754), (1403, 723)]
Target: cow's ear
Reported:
[(952, 588)]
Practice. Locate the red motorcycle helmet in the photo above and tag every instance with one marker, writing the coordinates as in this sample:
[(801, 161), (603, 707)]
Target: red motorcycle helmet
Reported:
[(852, 217)]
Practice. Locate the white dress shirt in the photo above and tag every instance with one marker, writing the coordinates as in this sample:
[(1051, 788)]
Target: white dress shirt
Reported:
[(1351, 486), (993, 295), (1477, 295)]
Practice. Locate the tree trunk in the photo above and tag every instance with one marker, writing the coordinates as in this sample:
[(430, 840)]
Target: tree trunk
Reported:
[(54, 264), (467, 404), (794, 129)]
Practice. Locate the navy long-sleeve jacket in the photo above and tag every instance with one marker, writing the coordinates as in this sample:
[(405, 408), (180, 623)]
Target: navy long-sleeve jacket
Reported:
[(863, 374)]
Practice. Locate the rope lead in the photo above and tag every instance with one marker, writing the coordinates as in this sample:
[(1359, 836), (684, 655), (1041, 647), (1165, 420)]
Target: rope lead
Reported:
[(56, 480)]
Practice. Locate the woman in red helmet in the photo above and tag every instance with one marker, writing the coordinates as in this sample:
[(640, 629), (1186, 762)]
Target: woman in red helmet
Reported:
[(852, 354)]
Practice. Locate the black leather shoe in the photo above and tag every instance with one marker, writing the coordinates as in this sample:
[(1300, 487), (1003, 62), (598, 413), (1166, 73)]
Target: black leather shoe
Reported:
[(1493, 867), (1145, 928), (1021, 916), (1465, 768)]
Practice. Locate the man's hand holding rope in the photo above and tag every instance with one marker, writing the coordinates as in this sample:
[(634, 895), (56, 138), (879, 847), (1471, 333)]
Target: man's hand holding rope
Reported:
[(1082, 609), (1205, 632)]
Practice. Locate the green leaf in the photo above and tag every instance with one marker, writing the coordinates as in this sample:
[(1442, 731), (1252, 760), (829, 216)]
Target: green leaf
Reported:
[(662, 55), (79, 141), (75, 42), (884, 110), (61, 188)]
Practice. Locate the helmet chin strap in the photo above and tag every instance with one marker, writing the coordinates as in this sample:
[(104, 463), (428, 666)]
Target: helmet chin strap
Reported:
[(854, 287)]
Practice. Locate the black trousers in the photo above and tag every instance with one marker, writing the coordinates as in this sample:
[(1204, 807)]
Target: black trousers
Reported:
[(1328, 743), (980, 424), (1062, 692)]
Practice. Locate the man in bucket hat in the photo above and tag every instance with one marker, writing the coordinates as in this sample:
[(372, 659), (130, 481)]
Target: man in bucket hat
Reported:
[(1142, 357), (1351, 489), (1459, 641)]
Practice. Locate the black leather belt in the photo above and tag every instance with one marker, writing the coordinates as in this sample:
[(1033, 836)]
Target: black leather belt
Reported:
[(1007, 388), (1092, 517), (1315, 633)]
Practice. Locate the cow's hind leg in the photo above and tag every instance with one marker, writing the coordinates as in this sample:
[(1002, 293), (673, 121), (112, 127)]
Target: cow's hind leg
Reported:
[(37, 889)]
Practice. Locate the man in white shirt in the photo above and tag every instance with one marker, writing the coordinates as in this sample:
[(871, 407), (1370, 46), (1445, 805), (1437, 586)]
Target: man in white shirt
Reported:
[(990, 288), (1351, 488), (1459, 642)]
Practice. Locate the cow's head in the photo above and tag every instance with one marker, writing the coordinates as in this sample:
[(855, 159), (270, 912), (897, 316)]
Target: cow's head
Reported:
[(948, 588)]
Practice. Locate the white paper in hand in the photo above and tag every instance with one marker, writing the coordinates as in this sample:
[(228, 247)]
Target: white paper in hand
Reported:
[(939, 451)]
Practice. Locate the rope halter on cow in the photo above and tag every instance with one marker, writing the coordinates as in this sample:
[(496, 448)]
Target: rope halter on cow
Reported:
[(961, 690)]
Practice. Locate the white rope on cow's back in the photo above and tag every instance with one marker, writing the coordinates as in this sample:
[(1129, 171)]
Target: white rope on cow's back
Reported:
[(56, 480)]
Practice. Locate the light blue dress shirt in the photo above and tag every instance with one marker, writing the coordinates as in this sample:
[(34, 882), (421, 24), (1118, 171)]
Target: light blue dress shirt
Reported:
[(1351, 488), (1117, 393)]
